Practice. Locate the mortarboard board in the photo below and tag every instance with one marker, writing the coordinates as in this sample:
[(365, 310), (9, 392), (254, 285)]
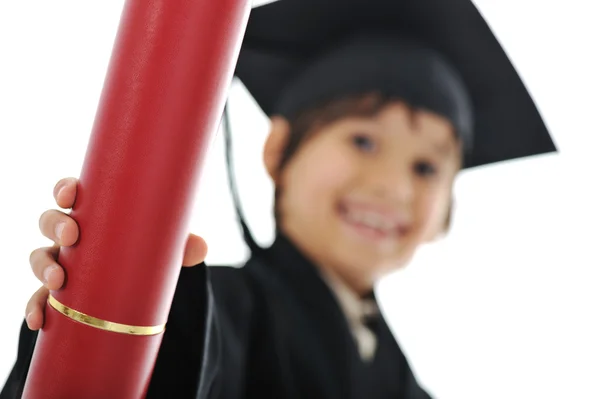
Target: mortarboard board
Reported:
[(436, 54), (439, 54)]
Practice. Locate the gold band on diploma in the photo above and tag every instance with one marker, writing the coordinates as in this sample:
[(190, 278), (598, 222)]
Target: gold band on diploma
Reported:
[(103, 324)]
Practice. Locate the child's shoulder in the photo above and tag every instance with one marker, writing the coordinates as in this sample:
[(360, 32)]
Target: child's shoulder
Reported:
[(233, 285), (246, 285)]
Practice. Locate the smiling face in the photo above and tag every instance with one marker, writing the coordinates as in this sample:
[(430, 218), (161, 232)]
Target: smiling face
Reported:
[(361, 193)]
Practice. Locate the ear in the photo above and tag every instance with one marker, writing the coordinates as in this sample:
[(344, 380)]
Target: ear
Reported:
[(275, 145)]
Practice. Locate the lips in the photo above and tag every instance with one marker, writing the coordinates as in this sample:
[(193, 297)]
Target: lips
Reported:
[(373, 220)]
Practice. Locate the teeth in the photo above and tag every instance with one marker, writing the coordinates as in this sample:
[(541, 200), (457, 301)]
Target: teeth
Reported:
[(371, 219)]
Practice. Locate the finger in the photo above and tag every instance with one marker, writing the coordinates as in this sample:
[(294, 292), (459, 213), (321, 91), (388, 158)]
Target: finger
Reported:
[(34, 311), (65, 192), (59, 227), (195, 251), (44, 266)]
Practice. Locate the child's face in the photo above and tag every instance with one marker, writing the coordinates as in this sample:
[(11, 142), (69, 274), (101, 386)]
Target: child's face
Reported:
[(361, 194)]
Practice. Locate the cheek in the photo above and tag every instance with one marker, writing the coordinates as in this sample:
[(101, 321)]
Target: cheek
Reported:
[(316, 178), (432, 210)]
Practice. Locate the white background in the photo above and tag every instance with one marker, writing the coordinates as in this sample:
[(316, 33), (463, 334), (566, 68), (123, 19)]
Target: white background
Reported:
[(505, 307)]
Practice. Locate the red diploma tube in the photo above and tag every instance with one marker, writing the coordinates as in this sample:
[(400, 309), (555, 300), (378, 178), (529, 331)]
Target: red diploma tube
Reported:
[(162, 100)]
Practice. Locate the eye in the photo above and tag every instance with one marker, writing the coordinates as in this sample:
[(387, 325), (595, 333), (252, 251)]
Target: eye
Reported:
[(363, 142), (425, 169)]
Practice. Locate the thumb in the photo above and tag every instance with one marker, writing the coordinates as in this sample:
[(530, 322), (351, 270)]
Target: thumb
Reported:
[(195, 251)]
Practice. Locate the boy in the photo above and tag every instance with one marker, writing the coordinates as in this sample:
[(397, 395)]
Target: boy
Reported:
[(368, 131)]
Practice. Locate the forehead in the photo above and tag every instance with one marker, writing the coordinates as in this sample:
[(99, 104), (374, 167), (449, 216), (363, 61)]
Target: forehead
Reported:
[(402, 125), (401, 120), (427, 123)]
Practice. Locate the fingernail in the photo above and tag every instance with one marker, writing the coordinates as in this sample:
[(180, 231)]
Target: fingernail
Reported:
[(47, 272), (28, 318), (60, 190), (59, 229)]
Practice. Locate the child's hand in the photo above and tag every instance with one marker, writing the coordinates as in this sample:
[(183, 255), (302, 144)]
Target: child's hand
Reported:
[(63, 230)]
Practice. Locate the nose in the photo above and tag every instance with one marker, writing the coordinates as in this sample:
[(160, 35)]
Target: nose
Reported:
[(392, 181)]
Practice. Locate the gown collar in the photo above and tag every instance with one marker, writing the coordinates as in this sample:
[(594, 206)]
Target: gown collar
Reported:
[(317, 287)]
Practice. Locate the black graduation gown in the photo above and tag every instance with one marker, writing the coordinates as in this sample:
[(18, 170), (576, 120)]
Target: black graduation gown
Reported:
[(271, 329)]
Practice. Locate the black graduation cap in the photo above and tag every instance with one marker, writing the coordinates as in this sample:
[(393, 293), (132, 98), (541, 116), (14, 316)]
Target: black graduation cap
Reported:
[(436, 54)]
